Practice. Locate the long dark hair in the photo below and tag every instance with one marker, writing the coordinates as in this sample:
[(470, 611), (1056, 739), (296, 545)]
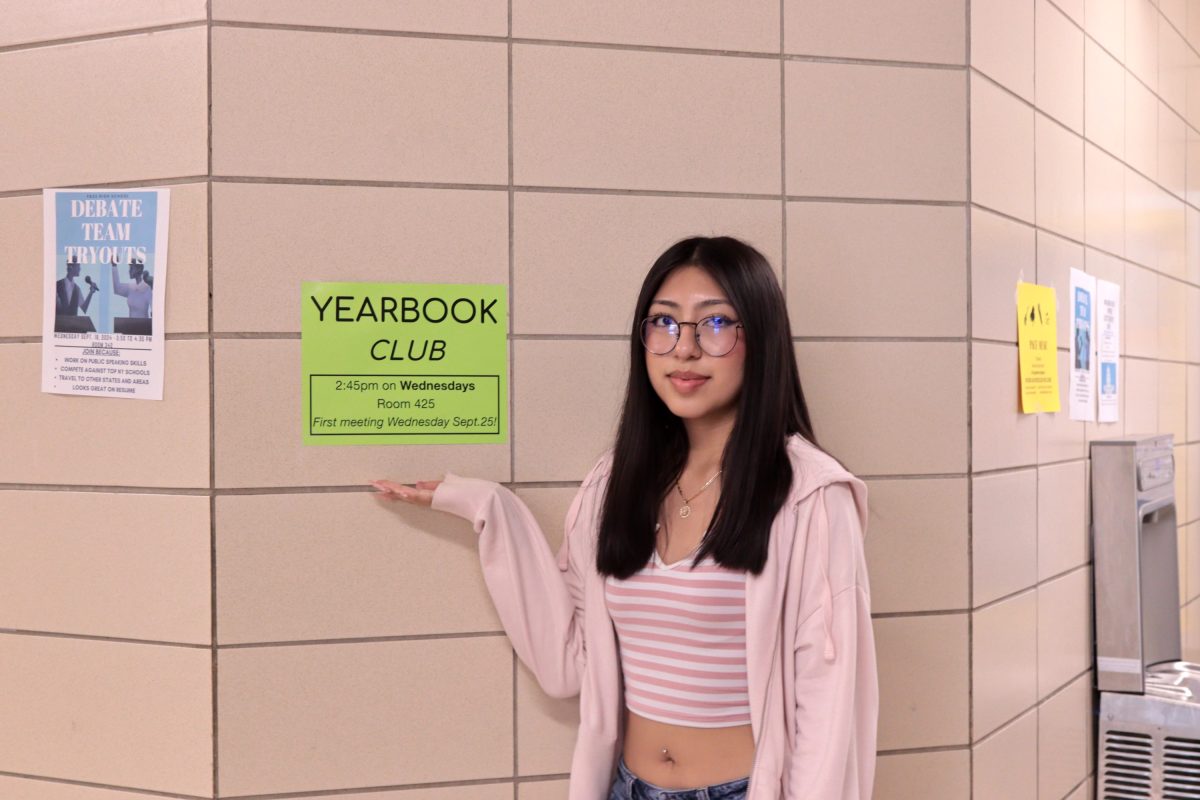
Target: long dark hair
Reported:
[(651, 446)]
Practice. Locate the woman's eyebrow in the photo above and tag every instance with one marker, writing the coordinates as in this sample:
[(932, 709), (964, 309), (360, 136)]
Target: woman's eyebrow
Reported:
[(701, 304)]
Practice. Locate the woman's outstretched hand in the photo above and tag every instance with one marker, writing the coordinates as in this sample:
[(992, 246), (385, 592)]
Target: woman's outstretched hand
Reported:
[(420, 494)]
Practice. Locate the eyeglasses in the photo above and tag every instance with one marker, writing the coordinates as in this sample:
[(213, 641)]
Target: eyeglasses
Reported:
[(715, 335)]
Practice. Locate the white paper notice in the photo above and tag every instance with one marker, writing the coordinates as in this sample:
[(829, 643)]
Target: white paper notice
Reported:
[(1082, 391), (105, 285), (1108, 347)]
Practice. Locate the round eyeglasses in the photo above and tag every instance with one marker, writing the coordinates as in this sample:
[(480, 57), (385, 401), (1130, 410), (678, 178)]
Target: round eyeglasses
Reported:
[(716, 335)]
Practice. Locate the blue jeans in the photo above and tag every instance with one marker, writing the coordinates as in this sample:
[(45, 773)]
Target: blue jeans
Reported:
[(627, 786)]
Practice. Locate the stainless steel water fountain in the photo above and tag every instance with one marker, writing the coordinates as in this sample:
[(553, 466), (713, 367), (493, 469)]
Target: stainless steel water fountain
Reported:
[(1149, 731)]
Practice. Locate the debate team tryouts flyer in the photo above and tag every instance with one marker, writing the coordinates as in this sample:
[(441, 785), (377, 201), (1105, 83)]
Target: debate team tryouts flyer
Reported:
[(404, 363), (104, 279)]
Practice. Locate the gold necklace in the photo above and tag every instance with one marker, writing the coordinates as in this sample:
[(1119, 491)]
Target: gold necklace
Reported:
[(686, 510)]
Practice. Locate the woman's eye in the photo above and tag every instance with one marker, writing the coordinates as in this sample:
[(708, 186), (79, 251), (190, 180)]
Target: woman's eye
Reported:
[(662, 321), (719, 321)]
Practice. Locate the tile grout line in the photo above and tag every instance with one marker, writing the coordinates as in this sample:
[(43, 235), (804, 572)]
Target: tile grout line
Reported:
[(970, 429), (512, 450), (212, 418), (783, 267)]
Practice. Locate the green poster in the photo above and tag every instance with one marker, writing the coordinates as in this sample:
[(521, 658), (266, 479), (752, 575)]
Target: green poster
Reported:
[(404, 363)]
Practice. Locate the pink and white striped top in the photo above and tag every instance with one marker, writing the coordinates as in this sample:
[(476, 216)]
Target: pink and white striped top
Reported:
[(681, 632)]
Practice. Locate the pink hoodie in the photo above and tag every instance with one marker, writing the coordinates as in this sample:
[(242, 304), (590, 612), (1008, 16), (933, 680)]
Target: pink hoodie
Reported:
[(810, 652)]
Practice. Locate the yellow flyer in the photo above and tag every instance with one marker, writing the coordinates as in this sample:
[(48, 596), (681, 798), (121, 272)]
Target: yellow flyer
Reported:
[(1037, 348)]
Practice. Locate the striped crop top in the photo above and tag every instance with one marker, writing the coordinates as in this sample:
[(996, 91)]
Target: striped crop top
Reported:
[(681, 631)]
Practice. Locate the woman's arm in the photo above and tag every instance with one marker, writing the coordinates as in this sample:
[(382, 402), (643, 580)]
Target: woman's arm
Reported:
[(538, 596), (837, 691), (118, 287)]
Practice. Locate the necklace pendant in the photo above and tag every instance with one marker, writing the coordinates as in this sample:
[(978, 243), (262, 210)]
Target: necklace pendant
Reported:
[(685, 511)]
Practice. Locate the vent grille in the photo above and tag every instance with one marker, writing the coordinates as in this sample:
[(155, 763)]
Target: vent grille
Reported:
[(1181, 768), (1128, 765)]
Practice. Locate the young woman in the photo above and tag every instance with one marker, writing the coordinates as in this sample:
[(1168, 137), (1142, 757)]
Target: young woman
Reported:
[(709, 602)]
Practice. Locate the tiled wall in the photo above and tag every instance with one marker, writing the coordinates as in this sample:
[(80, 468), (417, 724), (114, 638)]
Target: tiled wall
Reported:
[(192, 602)]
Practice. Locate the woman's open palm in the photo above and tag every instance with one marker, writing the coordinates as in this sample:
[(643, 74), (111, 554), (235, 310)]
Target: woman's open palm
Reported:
[(419, 494)]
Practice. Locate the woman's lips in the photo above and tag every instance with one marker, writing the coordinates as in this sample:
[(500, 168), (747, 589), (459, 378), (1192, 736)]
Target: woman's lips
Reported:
[(687, 385)]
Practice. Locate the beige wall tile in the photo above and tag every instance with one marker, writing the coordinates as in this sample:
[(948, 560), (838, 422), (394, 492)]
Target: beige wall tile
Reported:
[(1002, 253), (1141, 397), (1062, 518), (51, 438), (125, 565), (1172, 403), (941, 775), (1073, 9), (1064, 629), (34, 789), (1003, 534), (107, 712), (1143, 220), (1103, 96), (1056, 257), (1175, 59), (917, 550), (1141, 41), (1059, 55), (1065, 738), (1004, 662), (265, 449), (1191, 637), (163, 75), (345, 233), (1192, 181), (323, 93), (836, 286), (1192, 234), (1172, 318), (1193, 400), (1001, 435), (1059, 184), (552, 409), (546, 727), (1172, 151), (427, 16), (1005, 766), (1104, 20), (1104, 200), (1002, 150), (1184, 479), (27, 23), (603, 245), (1193, 494), (343, 565), (1192, 326), (1174, 14), (712, 24), (1140, 307), (333, 716), (566, 98), (930, 31), (888, 407), (1059, 436), (1141, 127), (187, 289), (1172, 234), (1002, 43), (1190, 555), (875, 131), (922, 681), (542, 790)]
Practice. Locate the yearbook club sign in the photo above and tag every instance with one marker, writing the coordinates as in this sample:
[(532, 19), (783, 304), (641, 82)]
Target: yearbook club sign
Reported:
[(404, 363)]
